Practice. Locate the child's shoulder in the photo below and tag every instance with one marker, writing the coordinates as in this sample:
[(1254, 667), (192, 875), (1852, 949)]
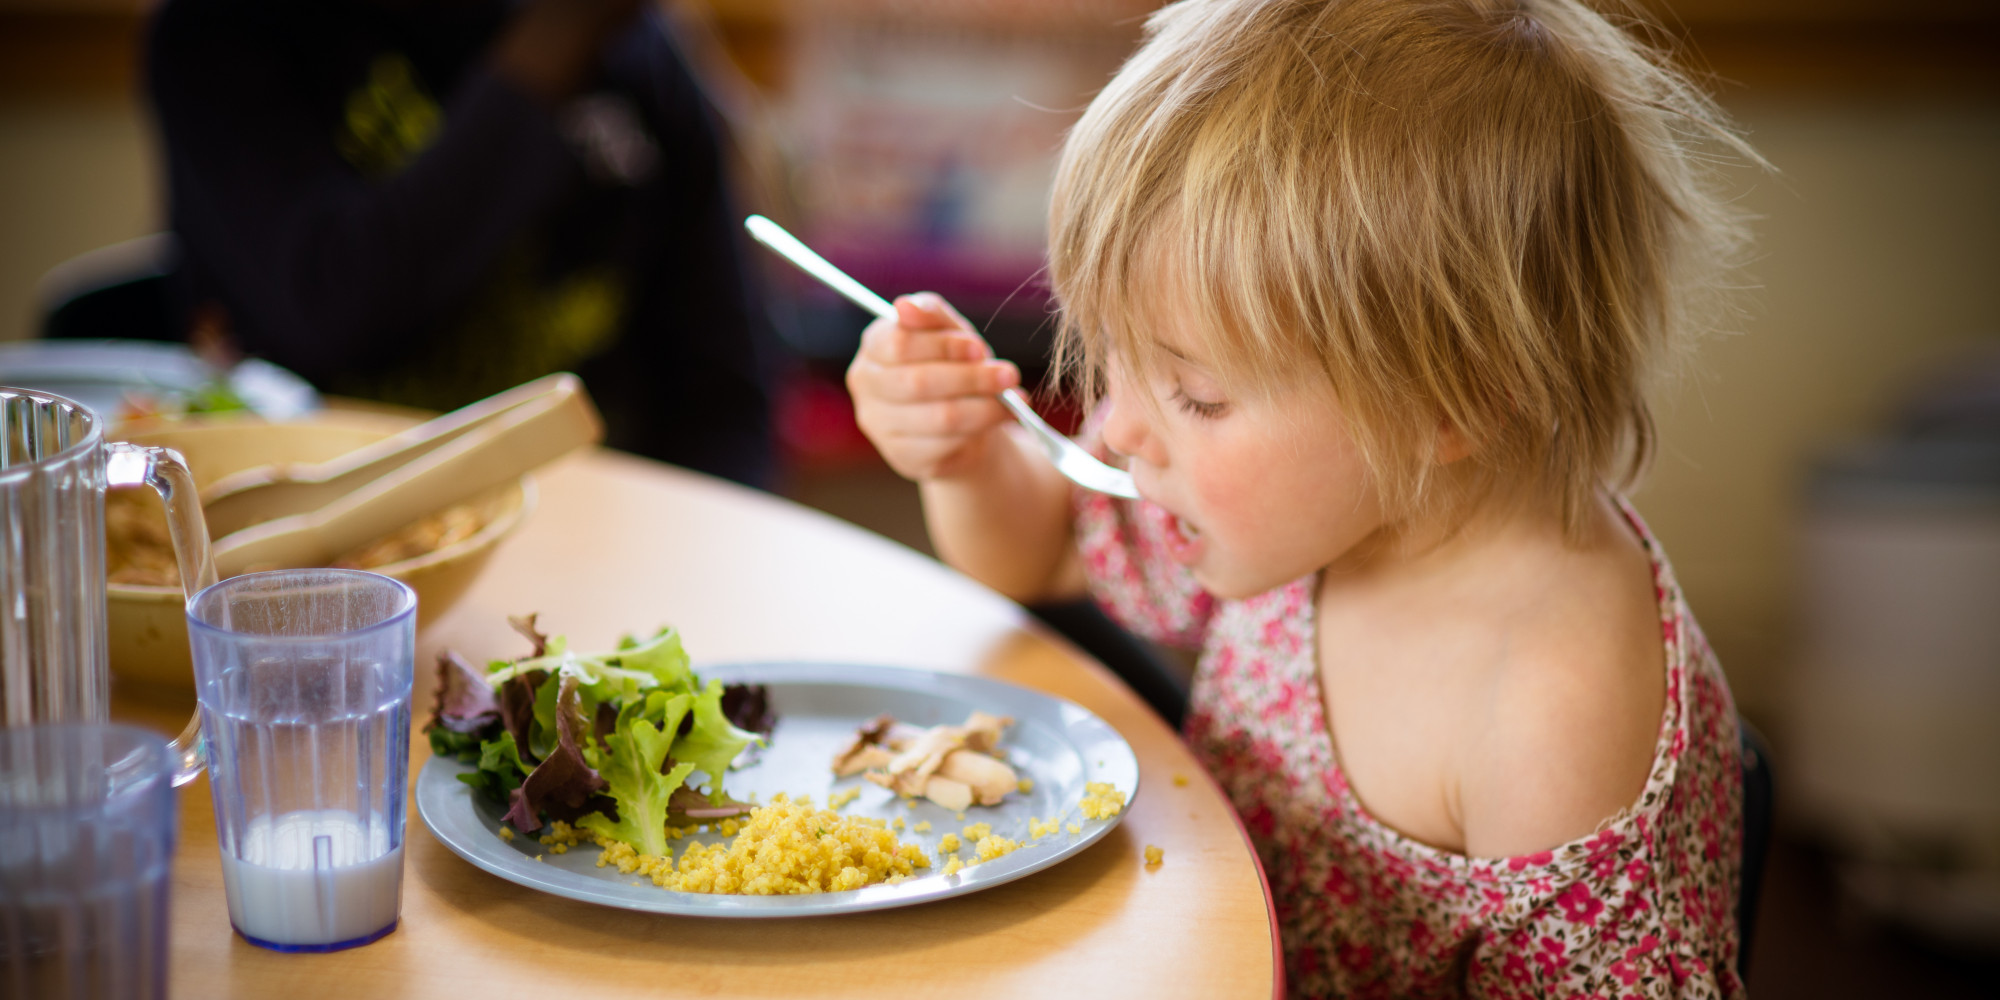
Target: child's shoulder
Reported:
[(1574, 697)]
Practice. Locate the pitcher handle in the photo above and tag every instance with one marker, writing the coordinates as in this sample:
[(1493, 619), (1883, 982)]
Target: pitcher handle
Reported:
[(166, 472)]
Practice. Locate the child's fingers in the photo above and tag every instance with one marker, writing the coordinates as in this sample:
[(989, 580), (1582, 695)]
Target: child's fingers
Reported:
[(951, 419), (928, 311), (921, 456), (923, 382), (892, 343)]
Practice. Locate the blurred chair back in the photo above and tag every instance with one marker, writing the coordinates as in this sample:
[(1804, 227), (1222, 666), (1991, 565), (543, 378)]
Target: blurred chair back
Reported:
[(1758, 795), (117, 292)]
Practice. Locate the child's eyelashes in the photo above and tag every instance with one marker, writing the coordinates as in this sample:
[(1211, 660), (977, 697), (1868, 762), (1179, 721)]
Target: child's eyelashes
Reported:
[(1199, 408)]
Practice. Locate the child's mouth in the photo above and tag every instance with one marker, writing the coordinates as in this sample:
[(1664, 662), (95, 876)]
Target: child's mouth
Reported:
[(1184, 540)]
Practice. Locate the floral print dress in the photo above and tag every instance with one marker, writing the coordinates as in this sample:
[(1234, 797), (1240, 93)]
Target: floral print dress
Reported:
[(1644, 907)]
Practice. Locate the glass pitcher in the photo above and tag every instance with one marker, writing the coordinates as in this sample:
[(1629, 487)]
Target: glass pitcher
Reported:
[(54, 468)]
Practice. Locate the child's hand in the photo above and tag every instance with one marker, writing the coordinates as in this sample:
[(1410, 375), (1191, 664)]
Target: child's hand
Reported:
[(925, 388)]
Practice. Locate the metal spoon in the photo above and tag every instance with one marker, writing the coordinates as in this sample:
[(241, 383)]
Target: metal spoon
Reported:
[(1069, 458)]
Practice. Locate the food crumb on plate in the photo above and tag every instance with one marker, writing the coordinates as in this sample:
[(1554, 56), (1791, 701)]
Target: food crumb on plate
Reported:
[(1075, 828), (841, 798), (1101, 800), (1038, 829), (1153, 856), (923, 826), (952, 865), (506, 833), (1025, 785), (948, 844), (977, 831)]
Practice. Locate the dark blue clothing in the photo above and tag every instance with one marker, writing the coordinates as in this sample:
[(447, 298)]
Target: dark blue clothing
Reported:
[(435, 257)]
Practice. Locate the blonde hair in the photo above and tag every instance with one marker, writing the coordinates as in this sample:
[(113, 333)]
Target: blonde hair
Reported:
[(1492, 215)]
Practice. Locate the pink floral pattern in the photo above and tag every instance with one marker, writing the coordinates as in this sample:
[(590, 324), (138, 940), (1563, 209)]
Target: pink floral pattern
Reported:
[(1644, 907)]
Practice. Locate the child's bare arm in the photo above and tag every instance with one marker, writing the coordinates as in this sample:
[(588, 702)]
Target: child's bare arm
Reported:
[(924, 390)]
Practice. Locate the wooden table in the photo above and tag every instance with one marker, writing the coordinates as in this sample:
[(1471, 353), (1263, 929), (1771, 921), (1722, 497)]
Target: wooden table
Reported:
[(620, 544)]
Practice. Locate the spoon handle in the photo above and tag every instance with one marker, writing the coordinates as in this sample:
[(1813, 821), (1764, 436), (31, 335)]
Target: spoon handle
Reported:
[(1069, 458), (788, 246)]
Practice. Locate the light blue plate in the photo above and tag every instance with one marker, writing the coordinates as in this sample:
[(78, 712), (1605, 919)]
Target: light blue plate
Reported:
[(820, 705), (99, 373)]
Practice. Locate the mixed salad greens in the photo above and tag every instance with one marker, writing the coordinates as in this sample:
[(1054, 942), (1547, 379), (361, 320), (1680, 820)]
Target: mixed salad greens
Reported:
[(620, 743)]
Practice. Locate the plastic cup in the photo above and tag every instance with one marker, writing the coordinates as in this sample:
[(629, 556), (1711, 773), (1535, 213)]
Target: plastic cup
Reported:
[(86, 843), (304, 682)]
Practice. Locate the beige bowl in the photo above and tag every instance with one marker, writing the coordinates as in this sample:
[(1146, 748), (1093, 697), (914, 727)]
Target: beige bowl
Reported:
[(148, 625)]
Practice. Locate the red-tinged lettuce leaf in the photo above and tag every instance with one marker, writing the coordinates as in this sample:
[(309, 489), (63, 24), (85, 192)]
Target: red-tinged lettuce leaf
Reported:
[(605, 723), (517, 707), (690, 806), (465, 702), (563, 779), (599, 803), (748, 707), (525, 624)]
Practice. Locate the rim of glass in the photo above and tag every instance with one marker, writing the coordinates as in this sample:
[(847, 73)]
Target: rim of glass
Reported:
[(404, 610), (138, 755), (93, 433)]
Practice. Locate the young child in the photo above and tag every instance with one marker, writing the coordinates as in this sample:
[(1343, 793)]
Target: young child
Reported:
[(1371, 291)]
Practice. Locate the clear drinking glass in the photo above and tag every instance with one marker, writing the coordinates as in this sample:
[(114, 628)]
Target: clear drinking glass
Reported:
[(54, 468), (86, 842), (304, 681)]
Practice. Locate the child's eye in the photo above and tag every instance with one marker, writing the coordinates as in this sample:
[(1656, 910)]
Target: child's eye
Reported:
[(1195, 407)]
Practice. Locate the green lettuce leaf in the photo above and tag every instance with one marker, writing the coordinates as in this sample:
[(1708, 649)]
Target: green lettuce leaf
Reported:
[(462, 747), (500, 767), (714, 741), (631, 764)]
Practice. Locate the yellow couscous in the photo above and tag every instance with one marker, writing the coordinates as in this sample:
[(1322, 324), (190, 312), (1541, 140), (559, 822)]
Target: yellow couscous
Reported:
[(923, 826), (785, 848), (952, 865), (1038, 829), (1180, 781), (977, 831), (1101, 801), (1075, 828), (841, 798), (991, 846), (1153, 856), (948, 844), (1025, 785)]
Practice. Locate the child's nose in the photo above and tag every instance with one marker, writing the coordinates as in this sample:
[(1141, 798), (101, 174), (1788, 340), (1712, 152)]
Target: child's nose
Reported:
[(1125, 430)]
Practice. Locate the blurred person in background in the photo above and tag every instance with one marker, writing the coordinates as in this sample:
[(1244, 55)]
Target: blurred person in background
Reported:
[(428, 201)]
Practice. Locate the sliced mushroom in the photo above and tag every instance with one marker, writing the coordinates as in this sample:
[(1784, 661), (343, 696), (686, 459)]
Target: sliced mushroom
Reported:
[(989, 779), (953, 766), (982, 731), (926, 752), (864, 758), (953, 795)]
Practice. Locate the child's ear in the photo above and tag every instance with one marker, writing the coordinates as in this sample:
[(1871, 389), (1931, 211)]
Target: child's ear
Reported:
[(1452, 444)]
